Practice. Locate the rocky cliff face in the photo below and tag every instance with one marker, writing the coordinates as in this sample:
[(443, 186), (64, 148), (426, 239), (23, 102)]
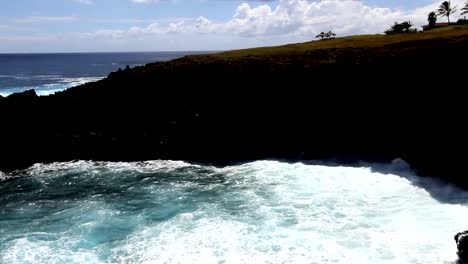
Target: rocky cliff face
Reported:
[(364, 104), (462, 245)]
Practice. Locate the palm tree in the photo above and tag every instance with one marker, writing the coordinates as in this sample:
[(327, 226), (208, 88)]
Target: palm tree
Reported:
[(432, 18), (465, 8), (446, 9), (406, 26)]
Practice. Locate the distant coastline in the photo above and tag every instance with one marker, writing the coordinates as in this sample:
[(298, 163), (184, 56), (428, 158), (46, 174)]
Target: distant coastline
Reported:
[(48, 73)]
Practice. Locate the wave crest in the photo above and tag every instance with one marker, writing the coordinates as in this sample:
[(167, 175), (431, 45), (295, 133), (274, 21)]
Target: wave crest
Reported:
[(263, 212)]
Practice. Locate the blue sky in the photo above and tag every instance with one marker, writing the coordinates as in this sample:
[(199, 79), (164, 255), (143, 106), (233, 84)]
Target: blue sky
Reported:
[(159, 25)]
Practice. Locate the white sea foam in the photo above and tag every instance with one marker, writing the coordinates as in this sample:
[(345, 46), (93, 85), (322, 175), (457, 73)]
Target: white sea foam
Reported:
[(59, 84), (18, 77), (259, 212), (3, 176)]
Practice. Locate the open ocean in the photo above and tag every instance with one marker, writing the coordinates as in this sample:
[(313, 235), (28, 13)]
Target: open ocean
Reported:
[(48, 73)]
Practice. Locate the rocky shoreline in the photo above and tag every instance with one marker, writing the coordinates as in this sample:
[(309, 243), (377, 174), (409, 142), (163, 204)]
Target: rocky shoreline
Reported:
[(341, 104), (462, 245)]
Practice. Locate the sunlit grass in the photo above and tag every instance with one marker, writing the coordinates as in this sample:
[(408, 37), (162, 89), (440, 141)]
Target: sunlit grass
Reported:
[(358, 41)]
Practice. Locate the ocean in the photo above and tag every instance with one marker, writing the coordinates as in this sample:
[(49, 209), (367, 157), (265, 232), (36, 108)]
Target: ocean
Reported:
[(258, 212), (49, 73)]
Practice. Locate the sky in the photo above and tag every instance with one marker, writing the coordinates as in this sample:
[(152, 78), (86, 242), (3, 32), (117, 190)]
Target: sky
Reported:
[(29, 26)]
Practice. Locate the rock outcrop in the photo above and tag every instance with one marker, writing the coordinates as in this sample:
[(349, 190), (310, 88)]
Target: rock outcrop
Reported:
[(28, 96), (346, 105), (462, 245)]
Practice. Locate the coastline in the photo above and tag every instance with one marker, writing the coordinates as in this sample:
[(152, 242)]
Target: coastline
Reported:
[(350, 104)]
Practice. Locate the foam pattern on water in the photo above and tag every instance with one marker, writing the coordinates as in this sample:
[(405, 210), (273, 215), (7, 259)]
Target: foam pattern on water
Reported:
[(260, 212), (58, 84)]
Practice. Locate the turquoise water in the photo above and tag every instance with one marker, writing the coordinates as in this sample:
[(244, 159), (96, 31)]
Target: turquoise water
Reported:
[(259, 212)]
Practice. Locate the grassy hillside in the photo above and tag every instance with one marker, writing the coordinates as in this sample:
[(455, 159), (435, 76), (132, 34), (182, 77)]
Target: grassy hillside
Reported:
[(421, 47), (358, 41)]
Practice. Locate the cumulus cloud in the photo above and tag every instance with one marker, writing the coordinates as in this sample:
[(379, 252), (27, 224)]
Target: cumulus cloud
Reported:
[(256, 25), (298, 18)]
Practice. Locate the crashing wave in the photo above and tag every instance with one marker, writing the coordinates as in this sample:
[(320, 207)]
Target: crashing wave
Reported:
[(262, 212)]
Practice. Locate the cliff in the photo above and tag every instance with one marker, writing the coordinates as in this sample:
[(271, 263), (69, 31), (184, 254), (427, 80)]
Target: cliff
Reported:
[(372, 98)]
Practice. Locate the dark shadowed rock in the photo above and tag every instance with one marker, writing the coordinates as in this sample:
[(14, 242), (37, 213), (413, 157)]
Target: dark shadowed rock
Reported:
[(462, 245), (346, 105), (28, 95)]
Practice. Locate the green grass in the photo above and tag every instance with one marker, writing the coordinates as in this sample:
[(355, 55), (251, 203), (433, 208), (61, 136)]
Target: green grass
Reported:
[(358, 41), (359, 49)]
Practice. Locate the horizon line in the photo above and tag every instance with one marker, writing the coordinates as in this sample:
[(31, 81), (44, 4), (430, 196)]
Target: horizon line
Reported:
[(91, 52)]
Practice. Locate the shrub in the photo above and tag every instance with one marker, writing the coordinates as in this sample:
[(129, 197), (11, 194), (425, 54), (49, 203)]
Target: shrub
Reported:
[(403, 27)]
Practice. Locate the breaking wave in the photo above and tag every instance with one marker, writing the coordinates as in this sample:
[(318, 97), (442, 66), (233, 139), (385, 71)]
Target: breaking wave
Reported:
[(54, 83), (259, 212)]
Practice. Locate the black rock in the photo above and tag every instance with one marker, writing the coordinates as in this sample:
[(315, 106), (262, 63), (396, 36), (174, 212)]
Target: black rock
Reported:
[(29, 95), (291, 107), (462, 245)]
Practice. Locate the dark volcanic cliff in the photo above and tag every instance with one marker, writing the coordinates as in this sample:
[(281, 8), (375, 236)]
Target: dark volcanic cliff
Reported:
[(380, 102)]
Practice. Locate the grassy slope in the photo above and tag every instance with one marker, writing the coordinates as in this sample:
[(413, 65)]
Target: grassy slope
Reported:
[(359, 49), (358, 41)]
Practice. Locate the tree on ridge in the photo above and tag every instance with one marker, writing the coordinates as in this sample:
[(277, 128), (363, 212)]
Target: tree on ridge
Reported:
[(446, 9), (432, 18), (465, 9)]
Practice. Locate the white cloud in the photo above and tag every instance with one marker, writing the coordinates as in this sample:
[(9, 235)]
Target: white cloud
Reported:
[(38, 19), (86, 2), (121, 21), (288, 21), (289, 18), (144, 1)]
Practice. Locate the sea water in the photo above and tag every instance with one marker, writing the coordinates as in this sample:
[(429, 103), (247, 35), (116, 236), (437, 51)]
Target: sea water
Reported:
[(49, 73), (258, 212)]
